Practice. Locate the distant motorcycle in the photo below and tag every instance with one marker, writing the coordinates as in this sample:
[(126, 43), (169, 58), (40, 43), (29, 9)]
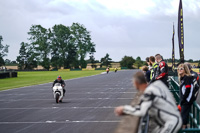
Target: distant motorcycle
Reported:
[(107, 70), (58, 92)]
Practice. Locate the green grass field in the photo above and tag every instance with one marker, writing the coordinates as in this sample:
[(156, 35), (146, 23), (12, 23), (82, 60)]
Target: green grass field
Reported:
[(34, 78)]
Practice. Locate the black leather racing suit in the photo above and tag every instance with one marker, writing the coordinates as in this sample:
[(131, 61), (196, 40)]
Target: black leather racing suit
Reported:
[(162, 72)]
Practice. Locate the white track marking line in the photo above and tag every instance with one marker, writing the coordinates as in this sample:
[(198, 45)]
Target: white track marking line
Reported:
[(31, 108), (64, 122), (71, 93), (77, 99)]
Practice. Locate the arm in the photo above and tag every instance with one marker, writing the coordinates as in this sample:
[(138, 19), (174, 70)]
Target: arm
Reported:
[(142, 108), (187, 91), (154, 75), (63, 83), (163, 71), (53, 83), (198, 80)]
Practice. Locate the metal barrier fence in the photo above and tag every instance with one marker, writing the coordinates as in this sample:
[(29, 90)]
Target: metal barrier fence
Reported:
[(144, 124), (194, 115)]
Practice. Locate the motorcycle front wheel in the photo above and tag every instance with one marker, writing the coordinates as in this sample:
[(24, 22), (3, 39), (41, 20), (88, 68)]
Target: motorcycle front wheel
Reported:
[(57, 98)]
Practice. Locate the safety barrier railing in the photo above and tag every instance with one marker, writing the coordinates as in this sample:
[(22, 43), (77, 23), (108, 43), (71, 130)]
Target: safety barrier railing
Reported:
[(144, 124), (194, 116)]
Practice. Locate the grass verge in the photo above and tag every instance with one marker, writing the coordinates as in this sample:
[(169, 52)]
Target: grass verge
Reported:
[(35, 78)]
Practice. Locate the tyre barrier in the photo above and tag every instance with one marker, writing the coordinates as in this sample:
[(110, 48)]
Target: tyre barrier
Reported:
[(8, 75)]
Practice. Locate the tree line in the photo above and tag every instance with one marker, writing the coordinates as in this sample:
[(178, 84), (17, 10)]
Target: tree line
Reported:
[(59, 46), (3, 51), (63, 46)]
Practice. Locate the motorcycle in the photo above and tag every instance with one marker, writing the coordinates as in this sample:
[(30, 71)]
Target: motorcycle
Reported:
[(58, 92), (107, 70)]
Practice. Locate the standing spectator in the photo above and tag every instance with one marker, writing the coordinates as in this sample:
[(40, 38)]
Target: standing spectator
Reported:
[(162, 70), (186, 91), (154, 67), (147, 73), (158, 102), (194, 74), (149, 64)]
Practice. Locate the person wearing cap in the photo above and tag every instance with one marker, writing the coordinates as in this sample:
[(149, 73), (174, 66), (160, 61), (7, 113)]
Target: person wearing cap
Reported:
[(62, 82)]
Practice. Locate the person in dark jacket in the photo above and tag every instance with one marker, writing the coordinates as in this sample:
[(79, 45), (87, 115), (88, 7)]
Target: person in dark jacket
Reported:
[(194, 74), (147, 73), (62, 82), (162, 70), (186, 91)]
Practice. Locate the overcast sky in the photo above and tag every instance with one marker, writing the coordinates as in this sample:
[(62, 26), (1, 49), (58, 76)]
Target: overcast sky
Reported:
[(118, 27)]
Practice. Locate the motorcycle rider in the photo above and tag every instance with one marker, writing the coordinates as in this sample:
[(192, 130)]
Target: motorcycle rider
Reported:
[(162, 70), (107, 70), (116, 69), (62, 82), (158, 102)]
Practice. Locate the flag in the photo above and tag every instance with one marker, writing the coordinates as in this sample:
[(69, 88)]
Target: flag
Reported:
[(173, 56), (181, 32)]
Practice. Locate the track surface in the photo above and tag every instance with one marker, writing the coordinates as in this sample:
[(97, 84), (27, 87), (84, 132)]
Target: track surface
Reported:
[(87, 107)]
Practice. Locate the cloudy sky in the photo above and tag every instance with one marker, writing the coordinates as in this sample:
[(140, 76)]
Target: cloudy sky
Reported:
[(118, 27)]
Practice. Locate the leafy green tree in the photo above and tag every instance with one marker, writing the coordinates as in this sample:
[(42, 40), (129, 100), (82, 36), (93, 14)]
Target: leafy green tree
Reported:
[(39, 38), (62, 49), (3, 51), (2, 63), (127, 61), (7, 61), (190, 60), (138, 62), (27, 58), (106, 61), (82, 41), (92, 59)]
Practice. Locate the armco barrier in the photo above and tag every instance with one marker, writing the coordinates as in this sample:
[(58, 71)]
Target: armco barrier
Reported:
[(194, 116), (124, 68)]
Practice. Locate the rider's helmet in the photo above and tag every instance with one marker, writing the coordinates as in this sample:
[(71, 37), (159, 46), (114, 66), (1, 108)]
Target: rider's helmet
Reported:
[(59, 78)]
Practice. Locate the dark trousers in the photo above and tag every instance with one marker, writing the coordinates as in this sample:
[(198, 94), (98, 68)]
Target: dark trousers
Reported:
[(185, 110)]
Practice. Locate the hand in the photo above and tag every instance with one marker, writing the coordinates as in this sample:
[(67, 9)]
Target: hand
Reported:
[(119, 110), (179, 108)]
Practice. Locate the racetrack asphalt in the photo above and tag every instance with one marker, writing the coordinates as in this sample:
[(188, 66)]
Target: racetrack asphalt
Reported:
[(87, 106)]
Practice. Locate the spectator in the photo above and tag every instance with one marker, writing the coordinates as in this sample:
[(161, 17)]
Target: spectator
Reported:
[(185, 80), (194, 74), (154, 67), (147, 73), (162, 70), (149, 64), (158, 102)]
